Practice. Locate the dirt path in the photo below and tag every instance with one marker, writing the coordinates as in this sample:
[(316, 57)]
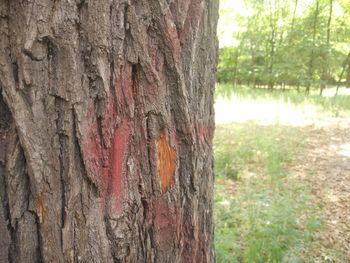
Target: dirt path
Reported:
[(327, 170)]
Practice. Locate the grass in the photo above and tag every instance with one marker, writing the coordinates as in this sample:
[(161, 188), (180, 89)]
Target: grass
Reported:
[(262, 213)]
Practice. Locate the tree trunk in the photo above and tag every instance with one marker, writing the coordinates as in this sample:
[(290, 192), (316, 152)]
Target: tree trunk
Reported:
[(106, 126), (294, 15), (347, 82), (346, 66), (325, 68), (272, 42), (312, 57)]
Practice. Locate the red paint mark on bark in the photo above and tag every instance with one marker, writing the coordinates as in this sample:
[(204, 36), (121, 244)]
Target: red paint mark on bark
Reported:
[(171, 35), (93, 153), (105, 143), (166, 161), (175, 231), (167, 223), (120, 142), (196, 238), (125, 93), (203, 130), (105, 165)]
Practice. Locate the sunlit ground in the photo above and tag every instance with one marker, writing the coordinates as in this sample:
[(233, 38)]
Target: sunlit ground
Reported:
[(263, 112), (345, 150), (267, 111), (331, 92)]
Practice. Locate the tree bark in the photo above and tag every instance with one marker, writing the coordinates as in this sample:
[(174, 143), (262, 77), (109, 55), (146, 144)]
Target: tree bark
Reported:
[(272, 41), (294, 15), (312, 56), (346, 65), (325, 68), (106, 126)]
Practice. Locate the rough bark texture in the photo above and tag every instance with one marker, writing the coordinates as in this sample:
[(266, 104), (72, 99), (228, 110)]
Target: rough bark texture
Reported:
[(106, 126)]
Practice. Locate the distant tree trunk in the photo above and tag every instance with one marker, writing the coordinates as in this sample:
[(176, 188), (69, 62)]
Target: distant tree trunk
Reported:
[(272, 48), (294, 15), (311, 62), (106, 126), (325, 70), (236, 63), (253, 65), (348, 72), (346, 66)]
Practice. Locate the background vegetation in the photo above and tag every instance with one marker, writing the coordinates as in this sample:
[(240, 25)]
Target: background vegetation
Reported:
[(276, 58), (302, 44)]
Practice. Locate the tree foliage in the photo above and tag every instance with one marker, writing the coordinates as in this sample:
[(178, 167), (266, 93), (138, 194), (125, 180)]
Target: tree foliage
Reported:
[(288, 42)]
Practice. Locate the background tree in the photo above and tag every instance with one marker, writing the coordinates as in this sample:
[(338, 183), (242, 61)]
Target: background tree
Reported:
[(288, 43), (106, 126), (325, 70)]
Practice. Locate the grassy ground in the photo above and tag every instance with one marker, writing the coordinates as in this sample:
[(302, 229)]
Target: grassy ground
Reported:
[(263, 212)]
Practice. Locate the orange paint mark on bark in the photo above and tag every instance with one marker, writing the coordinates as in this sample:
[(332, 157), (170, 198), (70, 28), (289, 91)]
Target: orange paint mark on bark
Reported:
[(71, 254), (40, 206), (42, 214), (166, 161)]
